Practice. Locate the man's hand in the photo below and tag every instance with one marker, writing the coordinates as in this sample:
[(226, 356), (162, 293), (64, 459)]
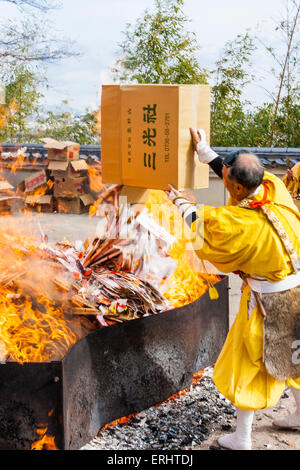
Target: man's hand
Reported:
[(205, 153), (198, 135), (184, 206), (172, 193)]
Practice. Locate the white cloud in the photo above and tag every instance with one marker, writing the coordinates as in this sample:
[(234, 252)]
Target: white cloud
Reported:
[(97, 25), (105, 77)]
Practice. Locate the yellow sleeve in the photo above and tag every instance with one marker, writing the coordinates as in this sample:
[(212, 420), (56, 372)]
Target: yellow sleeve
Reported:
[(218, 237), (236, 239)]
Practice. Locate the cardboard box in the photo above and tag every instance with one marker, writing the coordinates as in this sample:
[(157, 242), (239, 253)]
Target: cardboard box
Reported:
[(6, 187), (36, 180), (78, 205), (7, 196), (134, 195), (5, 206), (43, 203), (78, 168), (74, 169), (146, 140), (6, 203), (70, 187), (61, 151)]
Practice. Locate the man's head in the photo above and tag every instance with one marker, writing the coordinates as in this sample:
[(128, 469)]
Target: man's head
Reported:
[(242, 174)]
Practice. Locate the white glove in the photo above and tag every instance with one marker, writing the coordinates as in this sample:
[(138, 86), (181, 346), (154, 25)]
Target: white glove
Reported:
[(184, 206), (205, 153)]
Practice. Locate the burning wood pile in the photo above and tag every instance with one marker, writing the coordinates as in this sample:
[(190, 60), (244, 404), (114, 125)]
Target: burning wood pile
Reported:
[(52, 295), (44, 288), (112, 274)]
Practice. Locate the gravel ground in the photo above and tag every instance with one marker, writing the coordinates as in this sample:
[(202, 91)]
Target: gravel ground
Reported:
[(182, 423), (194, 421)]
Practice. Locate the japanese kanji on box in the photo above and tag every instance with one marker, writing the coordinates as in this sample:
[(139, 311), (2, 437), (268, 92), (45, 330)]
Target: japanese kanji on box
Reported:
[(146, 141)]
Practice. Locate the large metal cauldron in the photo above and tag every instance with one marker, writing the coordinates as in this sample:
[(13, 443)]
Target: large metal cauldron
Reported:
[(111, 373)]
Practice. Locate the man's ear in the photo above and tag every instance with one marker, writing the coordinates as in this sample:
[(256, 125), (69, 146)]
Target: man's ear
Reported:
[(238, 188)]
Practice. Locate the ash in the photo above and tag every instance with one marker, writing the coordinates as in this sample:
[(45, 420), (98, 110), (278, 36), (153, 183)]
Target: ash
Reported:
[(183, 422)]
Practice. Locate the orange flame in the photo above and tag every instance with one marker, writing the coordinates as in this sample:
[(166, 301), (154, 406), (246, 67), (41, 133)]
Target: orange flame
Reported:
[(187, 283), (45, 442), (19, 161), (95, 178), (33, 326), (38, 192), (30, 334)]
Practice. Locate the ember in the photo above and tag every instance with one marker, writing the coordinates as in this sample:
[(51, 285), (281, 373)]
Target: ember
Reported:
[(45, 442)]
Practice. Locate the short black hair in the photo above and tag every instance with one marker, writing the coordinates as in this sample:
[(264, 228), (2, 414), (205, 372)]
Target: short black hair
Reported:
[(248, 175)]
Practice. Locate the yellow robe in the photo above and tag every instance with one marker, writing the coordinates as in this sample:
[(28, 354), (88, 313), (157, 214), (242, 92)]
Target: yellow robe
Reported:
[(238, 239)]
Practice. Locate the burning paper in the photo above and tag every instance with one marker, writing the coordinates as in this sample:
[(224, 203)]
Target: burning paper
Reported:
[(53, 295)]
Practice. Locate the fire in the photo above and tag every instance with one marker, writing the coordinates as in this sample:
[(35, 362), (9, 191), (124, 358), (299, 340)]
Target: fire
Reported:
[(187, 283), (38, 192), (196, 378), (95, 178), (30, 333), (108, 194), (45, 442), (33, 326), (123, 420), (19, 161)]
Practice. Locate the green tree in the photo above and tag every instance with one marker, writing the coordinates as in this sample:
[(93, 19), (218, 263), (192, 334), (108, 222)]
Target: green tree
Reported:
[(159, 49), (64, 125), (25, 50), (22, 98), (286, 125), (229, 79), (23, 80), (283, 48)]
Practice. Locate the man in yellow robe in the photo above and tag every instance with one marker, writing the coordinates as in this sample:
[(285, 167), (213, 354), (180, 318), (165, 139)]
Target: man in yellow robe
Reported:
[(257, 235), (292, 180)]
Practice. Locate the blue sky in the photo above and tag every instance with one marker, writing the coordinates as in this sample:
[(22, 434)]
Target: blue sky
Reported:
[(97, 25)]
